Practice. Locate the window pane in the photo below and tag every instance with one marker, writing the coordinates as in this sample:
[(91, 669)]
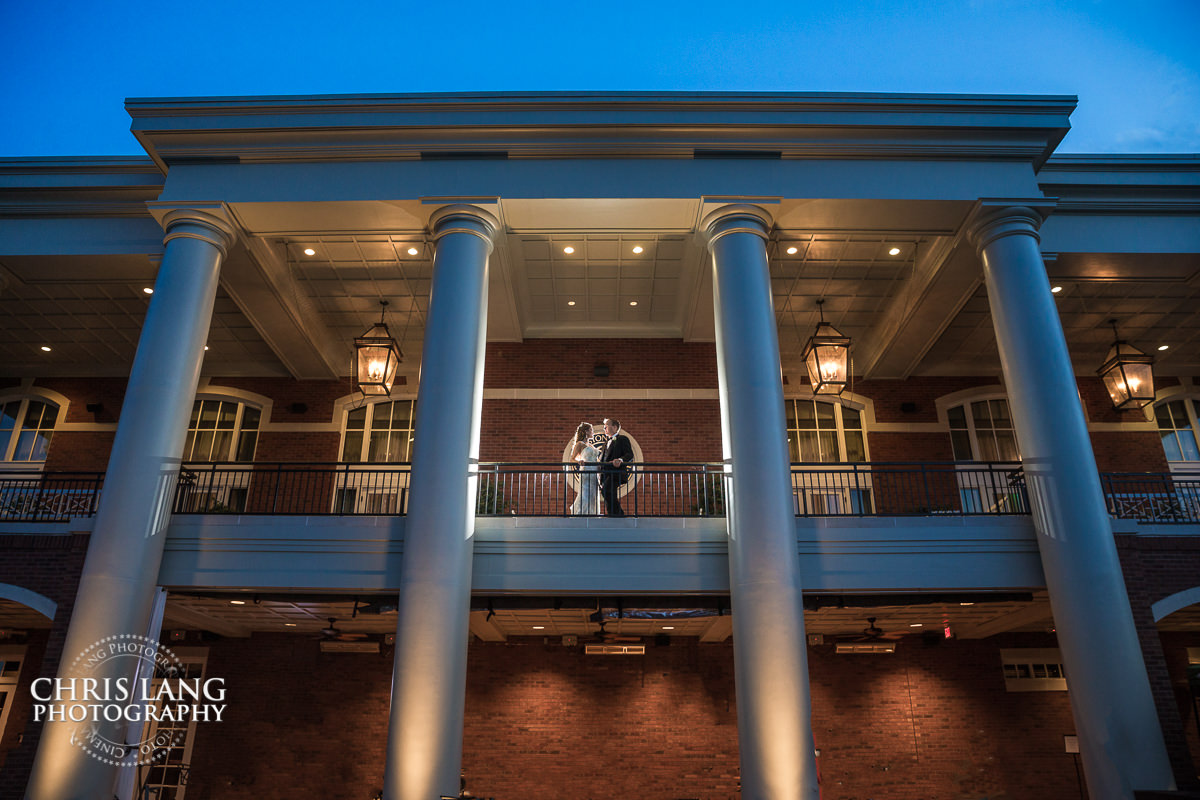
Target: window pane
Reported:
[(824, 412), (856, 450), (381, 418), (961, 441), (8, 418), (208, 414), (41, 445), (808, 446), (1171, 446), (987, 447), (790, 405), (1187, 442), (203, 449), (227, 415), (356, 419), (352, 449), (250, 418), (979, 413), (829, 448), (378, 449), (222, 441), (189, 445), (805, 414), (246, 444), (1163, 415), (195, 414), (999, 409), (793, 447), (1006, 446), (851, 419), (402, 414), (957, 417)]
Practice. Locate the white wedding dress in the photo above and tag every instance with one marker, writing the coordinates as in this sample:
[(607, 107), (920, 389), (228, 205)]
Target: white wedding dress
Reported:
[(587, 502)]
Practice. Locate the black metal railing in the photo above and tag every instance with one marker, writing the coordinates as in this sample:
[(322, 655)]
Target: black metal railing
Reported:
[(1153, 496), (551, 489), (287, 488), (33, 496), (880, 489), (645, 490)]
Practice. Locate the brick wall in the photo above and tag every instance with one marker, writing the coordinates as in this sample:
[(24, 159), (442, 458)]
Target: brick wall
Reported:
[(50, 566), (544, 722), (556, 363)]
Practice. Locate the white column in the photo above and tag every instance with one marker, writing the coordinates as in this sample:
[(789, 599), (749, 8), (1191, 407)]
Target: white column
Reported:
[(424, 751), (770, 661), (1120, 739), (116, 589)]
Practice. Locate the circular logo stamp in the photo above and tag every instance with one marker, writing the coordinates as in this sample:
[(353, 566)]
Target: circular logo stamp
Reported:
[(131, 699)]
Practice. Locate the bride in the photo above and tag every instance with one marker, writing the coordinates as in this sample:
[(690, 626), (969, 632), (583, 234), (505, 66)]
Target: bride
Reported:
[(587, 502)]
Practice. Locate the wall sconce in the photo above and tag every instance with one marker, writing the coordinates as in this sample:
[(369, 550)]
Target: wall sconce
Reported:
[(1127, 374), (377, 355), (827, 356)]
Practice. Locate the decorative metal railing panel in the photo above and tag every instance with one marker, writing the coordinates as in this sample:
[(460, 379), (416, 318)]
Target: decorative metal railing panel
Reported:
[(647, 490), (881, 489), (1162, 497), (285, 488), (33, 496)]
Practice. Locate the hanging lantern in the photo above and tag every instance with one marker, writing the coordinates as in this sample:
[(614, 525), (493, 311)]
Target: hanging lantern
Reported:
[(827, 356), (1127, 374), (377, 356)]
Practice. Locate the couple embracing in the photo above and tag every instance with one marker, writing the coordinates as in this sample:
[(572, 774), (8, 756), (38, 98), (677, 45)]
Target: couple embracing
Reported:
[(604, 471)]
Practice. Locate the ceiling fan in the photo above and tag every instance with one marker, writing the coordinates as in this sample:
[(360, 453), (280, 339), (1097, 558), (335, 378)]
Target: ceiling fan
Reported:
[(334, 634), (604, 636), (871, 633)]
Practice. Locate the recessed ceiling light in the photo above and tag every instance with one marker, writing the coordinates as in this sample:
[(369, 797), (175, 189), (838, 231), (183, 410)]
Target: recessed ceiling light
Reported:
[(791, 251), (206, 348), (895, 251), (237, 602), (1056, 289), (966, 604), (539, 627), (568, 249), (148, 290), (668, 627), (45, 349), (637, 249), (633, 302), (412, 251), (570, 302), (916, 624), (308, 251), (289, 624), (1163, 346)]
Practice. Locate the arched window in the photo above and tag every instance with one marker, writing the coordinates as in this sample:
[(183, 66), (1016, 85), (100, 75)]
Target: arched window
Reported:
[(26, 427), (222, 430), (982, 430), (379, 432), (1178, 427), (828, 432)]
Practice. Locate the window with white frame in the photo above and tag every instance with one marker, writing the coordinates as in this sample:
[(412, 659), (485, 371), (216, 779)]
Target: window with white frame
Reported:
[(222, 430), (11, 659), (828, 432), (982, 430), (379, 432), (1178, 428), (26, 427)]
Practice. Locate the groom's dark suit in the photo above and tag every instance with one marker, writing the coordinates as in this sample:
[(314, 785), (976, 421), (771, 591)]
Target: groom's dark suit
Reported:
[(613, 477)]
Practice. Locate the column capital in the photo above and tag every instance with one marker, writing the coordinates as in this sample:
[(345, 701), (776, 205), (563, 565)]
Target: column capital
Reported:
[(208, 222), (995, 219), (737, 218), (463, 218)]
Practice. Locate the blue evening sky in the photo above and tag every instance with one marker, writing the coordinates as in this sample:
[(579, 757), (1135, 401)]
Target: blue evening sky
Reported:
[(67, 65)]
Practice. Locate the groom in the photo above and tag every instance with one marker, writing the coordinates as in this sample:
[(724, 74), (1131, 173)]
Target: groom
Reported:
[(614, 467)]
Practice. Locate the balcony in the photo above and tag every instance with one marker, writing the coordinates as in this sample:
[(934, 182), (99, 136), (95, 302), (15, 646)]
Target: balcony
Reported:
[(874, 489)]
